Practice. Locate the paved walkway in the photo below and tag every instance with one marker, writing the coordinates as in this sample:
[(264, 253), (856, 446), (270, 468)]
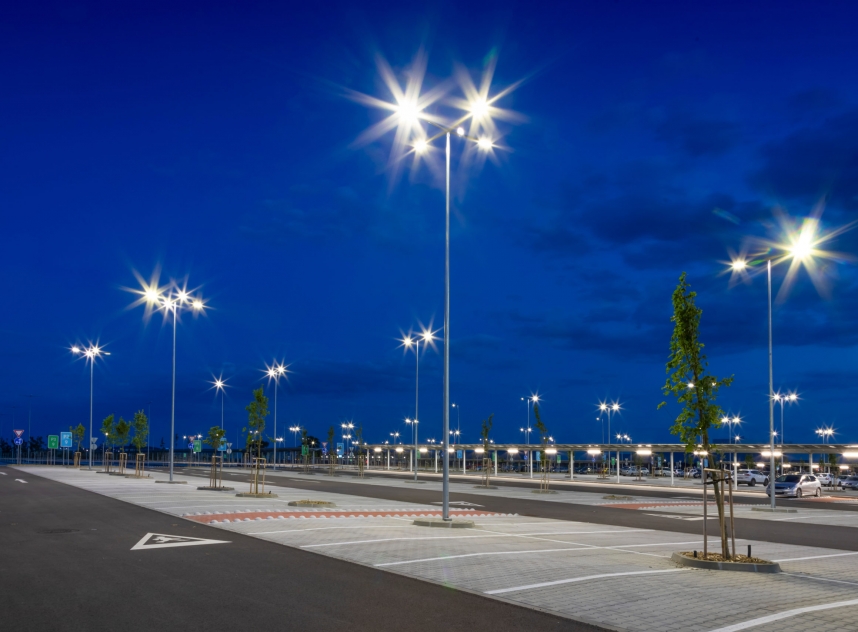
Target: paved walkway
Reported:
[(619, 578)]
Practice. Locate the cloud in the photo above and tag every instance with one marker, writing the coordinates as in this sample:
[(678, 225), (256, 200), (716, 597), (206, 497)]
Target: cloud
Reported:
[(814, 162), (699, 137), (340, 379)]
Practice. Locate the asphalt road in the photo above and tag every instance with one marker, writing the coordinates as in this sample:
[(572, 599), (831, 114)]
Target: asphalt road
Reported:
[(67, 564), (787, 532)]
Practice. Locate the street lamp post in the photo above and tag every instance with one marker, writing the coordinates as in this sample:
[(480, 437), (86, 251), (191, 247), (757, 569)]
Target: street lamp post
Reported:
[(803, 248), (533, 399), (427, 336), (275, 373), (783, 399), (171, 299), (90, 353)]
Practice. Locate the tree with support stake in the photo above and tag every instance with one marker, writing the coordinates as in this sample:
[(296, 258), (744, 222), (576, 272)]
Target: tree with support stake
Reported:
[(332, 455), (696, 391), (215, 438), (77, 436), (543, 456), (140, 424), (257, 411), (487, 461), (359, 450)]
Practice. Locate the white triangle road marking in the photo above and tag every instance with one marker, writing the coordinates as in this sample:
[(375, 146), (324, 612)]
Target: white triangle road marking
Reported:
[(20, 480), (3, 473), (163, 541)]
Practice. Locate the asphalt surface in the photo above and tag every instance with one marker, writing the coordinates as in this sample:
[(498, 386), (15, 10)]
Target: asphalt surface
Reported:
[(67, 564), (788, 532)]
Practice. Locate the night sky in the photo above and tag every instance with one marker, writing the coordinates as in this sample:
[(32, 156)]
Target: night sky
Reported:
[(218, 145)]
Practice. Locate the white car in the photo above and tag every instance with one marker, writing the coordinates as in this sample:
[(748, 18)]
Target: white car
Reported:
[(825, 478), (751, 477)]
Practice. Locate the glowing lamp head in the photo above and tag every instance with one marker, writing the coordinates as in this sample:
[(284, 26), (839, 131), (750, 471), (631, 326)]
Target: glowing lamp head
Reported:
[(615, 407), (408, 111), (182, 296), (534, 398), (485, 143), (421, 146), (603, 407), (738, 265), (197, 304), (76, 350), (479, 108), (427, 336), (460, 131)]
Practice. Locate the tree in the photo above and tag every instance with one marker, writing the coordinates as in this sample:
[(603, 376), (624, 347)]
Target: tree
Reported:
[(5, 446), (749, 461), (694, 388), (108, 429), (305, 448), (122, 430), (257, 411), (214, 438), (140, 425), (78, 434), (484, 433), (543, 457), (332, 455), (359, 450), (37, 444)]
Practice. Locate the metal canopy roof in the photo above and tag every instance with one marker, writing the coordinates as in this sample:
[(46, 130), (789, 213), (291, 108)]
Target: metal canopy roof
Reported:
[(798, 448)]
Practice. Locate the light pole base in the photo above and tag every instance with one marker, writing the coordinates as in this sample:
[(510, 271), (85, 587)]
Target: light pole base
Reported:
[(444, 524), (173, 482), (413, 482)]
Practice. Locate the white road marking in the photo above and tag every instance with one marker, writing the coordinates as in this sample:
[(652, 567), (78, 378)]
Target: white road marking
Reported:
[(501, 591), (815, 557), (3, 473), (455, 557), (164, 541), (785, 615), (826, 517), (357, 526), (20, 480), (822, 579)]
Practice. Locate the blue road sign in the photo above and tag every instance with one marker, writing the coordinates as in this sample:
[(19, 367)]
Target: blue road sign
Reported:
[(340, 449), (458, 454), (18, 441), (191, 445), (222, 445), (65, 439)]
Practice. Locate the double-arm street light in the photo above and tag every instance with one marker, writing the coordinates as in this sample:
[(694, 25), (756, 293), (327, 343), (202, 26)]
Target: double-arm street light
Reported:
[(801, 248), (427, 336), (275, 372), (346, 434), (825, 434), (172, 299), (408, 115), (782, 399), (90, 354), (219, 385), (295, 430), (528, 402)]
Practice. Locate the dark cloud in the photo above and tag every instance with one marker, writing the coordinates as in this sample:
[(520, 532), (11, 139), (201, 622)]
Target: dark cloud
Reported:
[(699, 137), (814, 162)]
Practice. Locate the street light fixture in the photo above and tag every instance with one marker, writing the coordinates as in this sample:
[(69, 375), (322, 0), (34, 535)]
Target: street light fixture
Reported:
[(533, 399), (790, 398), (427, 336), (90, 353), (407, 118), (275, 372)]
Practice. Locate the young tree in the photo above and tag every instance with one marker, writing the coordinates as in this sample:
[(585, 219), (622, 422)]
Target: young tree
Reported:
[(694, 388), (332, 454), (78, 434), (257, 411), (140, 425), (214, 438), (543, 457), (484, 433), (749, 461), (108, 429), (121, 432), (359, 450)]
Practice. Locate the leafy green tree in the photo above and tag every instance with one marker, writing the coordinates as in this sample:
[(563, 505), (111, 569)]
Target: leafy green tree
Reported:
[(140, 425), (257, 411), (108, 429), (122, 430), (694, 388), (214, 438), (484, 433), (543, 457), (332, 453), (78, 434)]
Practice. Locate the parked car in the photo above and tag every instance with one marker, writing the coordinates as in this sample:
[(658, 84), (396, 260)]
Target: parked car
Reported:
[(825, 478), (796, 485), (751, 478), (694, 473), (849, 482)]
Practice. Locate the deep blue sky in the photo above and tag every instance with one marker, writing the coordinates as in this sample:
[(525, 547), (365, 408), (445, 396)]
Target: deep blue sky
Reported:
[(217, 143)]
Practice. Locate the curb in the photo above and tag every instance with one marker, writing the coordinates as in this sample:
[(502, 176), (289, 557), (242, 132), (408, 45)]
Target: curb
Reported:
[(443, 524), (691, 562)]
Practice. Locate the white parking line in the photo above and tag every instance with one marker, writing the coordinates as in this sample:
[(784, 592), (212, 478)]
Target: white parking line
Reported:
[(357, 526), (785, 615), (501, 591), (816, 557), (454, 557), (822, 579)]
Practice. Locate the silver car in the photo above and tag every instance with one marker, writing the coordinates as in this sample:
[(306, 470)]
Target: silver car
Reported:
[(850, 482), (796, 486)]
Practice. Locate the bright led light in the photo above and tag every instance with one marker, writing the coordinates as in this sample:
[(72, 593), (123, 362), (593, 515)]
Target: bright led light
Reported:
[(182, 296), (691, 385), (427, 336), (75, 349), (615, 407), (485, 143), (460, 131), (421, 146), (408, 111), (198, 304), (738, 265)]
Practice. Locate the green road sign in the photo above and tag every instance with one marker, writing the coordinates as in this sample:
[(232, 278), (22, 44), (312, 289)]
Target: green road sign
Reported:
[(304, 450), (53, 442), (198, 445), (559, 459)]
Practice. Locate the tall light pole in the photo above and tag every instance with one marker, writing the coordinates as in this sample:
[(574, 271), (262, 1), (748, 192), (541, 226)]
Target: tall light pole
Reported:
[(427, 336), (408, 114), (275, 372), (783, 399), (528, 401), (90, 354), (220, 386), (802, 248), (346, 434), (295, 430), (171, 299)]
